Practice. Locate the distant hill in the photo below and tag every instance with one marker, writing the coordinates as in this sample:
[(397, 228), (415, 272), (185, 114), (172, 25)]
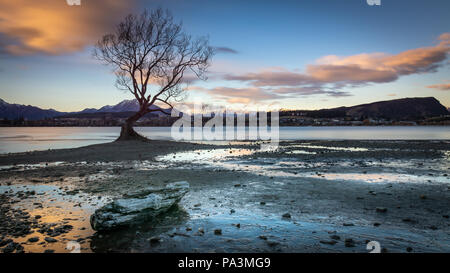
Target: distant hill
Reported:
[(18, 111), (28, 112), (399, 109)]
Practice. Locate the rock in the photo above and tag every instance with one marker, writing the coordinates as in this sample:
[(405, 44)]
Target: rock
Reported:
[(262, 237), (9, 248), (50, 240), (33, 239), (335, 237), (232, 211), (286, 215), (376, 224), (348, 224), (49, 251), (409, 249), (262, 203), (272, 243), (423, 197), (349, 243), (382, 210), (137, 207), (218, 231), (154, 240), (201, 230), (331, 242), (5, 242)]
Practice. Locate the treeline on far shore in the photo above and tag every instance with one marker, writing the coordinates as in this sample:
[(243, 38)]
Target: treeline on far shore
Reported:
[(284, 121)]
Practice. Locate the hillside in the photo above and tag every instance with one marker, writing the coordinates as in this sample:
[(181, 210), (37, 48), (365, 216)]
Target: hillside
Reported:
[(399, 109)]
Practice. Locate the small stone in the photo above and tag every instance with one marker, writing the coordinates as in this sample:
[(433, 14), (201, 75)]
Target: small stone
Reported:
[(335, 237), (50, 240), (433, 227), (201, 230), (218, 231), (376, 224), (423, 197), (238, 225), (381, 210), (9, 248), (262, 203), (348, 224), (154, 240), (409, 249), (33, 239), (197, 205), (286, 215), (349, 243), (262, 237), (232, 211), (331, 242), (188, 228)]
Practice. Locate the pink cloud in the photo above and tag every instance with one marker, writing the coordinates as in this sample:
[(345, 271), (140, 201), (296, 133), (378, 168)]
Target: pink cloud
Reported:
[(443, 87)]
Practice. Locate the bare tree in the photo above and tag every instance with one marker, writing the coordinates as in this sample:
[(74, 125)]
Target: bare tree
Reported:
[(150, 55)]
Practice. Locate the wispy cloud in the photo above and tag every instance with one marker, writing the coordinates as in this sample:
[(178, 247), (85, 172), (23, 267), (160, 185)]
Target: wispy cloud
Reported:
[(330, 74), (443, 87), (225, 50)]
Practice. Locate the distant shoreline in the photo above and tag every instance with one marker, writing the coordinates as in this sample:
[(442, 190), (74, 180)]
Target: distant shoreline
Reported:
[(374, 125)]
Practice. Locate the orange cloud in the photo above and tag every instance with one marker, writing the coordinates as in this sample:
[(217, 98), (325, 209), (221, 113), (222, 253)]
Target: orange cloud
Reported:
[(444, 86), (355, 70), (54, 27)]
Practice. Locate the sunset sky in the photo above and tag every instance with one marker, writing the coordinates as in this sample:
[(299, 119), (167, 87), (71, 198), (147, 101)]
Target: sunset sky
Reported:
[(302, 54)]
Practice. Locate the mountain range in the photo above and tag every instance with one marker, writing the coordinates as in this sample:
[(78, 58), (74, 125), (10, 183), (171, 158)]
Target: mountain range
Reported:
[(399, 109), (28, 112)]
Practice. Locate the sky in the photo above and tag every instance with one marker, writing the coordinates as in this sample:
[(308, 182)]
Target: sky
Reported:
[(300, 54)]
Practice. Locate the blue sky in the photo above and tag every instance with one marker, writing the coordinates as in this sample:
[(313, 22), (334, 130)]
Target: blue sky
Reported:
[(395, 50)]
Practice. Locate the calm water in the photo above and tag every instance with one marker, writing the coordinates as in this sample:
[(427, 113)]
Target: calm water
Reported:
[(21, 139)]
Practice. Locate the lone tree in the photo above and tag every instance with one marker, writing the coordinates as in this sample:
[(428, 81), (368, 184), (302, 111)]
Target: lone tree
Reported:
[(150, 55)]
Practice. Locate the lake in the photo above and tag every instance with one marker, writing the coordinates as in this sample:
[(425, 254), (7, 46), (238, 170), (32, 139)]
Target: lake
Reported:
[(22, 139)]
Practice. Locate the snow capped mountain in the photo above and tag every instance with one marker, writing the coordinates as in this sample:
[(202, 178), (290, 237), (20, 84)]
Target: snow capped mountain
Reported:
[(17, 111)]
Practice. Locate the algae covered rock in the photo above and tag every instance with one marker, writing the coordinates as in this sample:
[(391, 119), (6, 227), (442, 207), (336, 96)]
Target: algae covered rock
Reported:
[(138, 207)]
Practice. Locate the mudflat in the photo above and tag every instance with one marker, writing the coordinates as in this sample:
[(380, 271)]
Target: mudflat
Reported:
[(305, 196)]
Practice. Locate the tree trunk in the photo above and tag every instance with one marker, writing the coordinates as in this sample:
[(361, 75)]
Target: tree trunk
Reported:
[(127, 132)]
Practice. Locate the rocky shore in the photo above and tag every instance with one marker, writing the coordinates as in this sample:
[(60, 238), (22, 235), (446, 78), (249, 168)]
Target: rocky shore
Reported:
[(307, 196)]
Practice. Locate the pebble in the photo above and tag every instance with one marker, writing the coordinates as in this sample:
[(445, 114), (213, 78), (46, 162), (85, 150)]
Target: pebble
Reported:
[(154, 240), (50, 240), (218, 231), (335, 237), (33, 239), (331, 242), (286, 215), (349, 243), (381, 210)]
